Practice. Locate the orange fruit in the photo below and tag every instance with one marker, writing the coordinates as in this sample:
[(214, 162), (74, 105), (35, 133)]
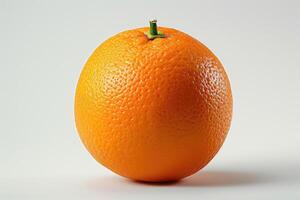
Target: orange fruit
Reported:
[(153, 106)]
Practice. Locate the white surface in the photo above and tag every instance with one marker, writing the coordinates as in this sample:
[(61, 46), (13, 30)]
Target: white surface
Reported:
[(43, 46)]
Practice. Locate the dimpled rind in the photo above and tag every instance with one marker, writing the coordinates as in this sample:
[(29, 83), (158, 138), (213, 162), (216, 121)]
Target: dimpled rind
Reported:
[(153, 110)]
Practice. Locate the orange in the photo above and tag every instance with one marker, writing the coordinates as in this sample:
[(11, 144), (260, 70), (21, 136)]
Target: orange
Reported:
[(153, 106)]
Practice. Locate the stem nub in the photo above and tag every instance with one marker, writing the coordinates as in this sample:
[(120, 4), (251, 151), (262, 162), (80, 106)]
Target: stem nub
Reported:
[(153, 32)]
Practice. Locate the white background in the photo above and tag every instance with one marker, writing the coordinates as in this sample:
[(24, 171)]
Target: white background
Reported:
[(44, 44)]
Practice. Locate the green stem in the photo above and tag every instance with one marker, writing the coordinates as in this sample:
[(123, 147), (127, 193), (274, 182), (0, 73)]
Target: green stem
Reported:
[(153, 27), (153, 32)]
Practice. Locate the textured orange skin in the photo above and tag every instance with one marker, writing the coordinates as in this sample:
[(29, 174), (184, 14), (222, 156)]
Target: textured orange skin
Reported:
[(153, 110)]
